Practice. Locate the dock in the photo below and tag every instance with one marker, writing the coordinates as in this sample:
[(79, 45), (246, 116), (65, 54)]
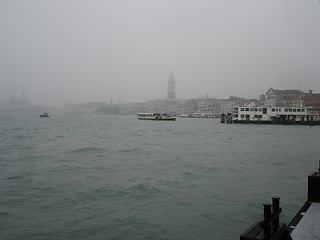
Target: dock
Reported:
[(304, 226), (309, 226)]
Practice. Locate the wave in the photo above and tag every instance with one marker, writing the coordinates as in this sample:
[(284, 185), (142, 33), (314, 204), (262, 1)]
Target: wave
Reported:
[(130, 150), (87, 150), (24, 136), (13, 177), (143, 191)]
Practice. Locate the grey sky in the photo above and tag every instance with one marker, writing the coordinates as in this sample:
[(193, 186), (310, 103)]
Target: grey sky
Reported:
[(76, 51)]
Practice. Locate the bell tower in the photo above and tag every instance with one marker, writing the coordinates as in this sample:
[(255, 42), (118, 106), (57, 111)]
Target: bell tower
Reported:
[(171, 87)]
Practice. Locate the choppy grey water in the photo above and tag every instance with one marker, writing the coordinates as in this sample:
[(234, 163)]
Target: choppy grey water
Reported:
[(115, 177)]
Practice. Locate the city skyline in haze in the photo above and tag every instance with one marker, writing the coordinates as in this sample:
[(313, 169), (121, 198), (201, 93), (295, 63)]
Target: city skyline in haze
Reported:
[(82, 51)]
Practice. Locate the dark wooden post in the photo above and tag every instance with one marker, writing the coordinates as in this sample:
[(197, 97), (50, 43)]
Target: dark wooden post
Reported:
[(222, 119), (275, 209), (267, 215), (269, 228)]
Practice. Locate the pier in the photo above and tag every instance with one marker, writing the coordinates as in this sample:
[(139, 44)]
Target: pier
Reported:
[(304, 226)]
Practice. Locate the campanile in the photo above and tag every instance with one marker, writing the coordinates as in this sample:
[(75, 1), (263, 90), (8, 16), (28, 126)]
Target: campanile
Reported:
[(171, 87)]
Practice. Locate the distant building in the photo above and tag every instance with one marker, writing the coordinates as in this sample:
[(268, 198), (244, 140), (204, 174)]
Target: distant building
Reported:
[(262, 100), (22, 104), (312, 100), (283, 98), (23, 100), (190, 106), (158, 105), (209, 105), (90, 107), (165, 105), (135, 108), (13, 100), (227, 106)]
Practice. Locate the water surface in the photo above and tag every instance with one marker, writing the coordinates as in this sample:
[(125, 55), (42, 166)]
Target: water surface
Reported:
[(114, 177)]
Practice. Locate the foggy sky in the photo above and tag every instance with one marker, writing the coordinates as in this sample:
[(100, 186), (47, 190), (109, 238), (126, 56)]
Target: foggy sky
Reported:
[(75, 51)]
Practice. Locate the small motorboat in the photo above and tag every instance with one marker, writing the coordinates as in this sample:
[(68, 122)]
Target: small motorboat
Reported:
[(44, 115)]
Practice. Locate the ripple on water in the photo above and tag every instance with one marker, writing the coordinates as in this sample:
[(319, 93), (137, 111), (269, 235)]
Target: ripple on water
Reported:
[(98, 176)]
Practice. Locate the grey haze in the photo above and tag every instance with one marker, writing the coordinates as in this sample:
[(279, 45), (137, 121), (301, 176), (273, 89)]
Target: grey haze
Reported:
[(77, 51)]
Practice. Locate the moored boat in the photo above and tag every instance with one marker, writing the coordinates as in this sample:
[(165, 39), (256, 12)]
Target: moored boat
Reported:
[(274, 115), (156, 116), (184, 115), (199, 115), (44, 115), (203, 115)]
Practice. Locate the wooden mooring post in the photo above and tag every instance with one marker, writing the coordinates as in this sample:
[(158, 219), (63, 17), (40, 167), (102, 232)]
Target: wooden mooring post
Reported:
[(229, 118), (222, 118), (269, 228)]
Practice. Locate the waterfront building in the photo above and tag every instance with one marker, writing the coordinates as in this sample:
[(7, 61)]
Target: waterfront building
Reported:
[(227, 106), (14, 104), (209, 105), (135, 108), (283, 98), (312, 100), (23, 100), (157, 105), (189, 106), (90, 107)]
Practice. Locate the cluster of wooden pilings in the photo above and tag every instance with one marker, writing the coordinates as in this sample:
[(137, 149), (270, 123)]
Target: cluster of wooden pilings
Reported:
[(226, 118), (269, 228)]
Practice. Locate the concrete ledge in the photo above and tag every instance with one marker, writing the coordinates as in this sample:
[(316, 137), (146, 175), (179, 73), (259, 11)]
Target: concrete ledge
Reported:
[(309, 226)]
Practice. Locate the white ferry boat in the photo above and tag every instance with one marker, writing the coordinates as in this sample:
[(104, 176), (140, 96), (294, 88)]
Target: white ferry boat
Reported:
[(274, 115), (203, 115), (200, 115), (184, 115), (156, 116)]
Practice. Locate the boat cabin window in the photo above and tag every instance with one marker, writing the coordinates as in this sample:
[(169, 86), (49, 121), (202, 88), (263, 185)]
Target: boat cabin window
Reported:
[(264, 111)]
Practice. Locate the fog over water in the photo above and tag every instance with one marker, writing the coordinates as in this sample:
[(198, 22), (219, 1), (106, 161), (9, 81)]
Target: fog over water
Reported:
[(81, 51)]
